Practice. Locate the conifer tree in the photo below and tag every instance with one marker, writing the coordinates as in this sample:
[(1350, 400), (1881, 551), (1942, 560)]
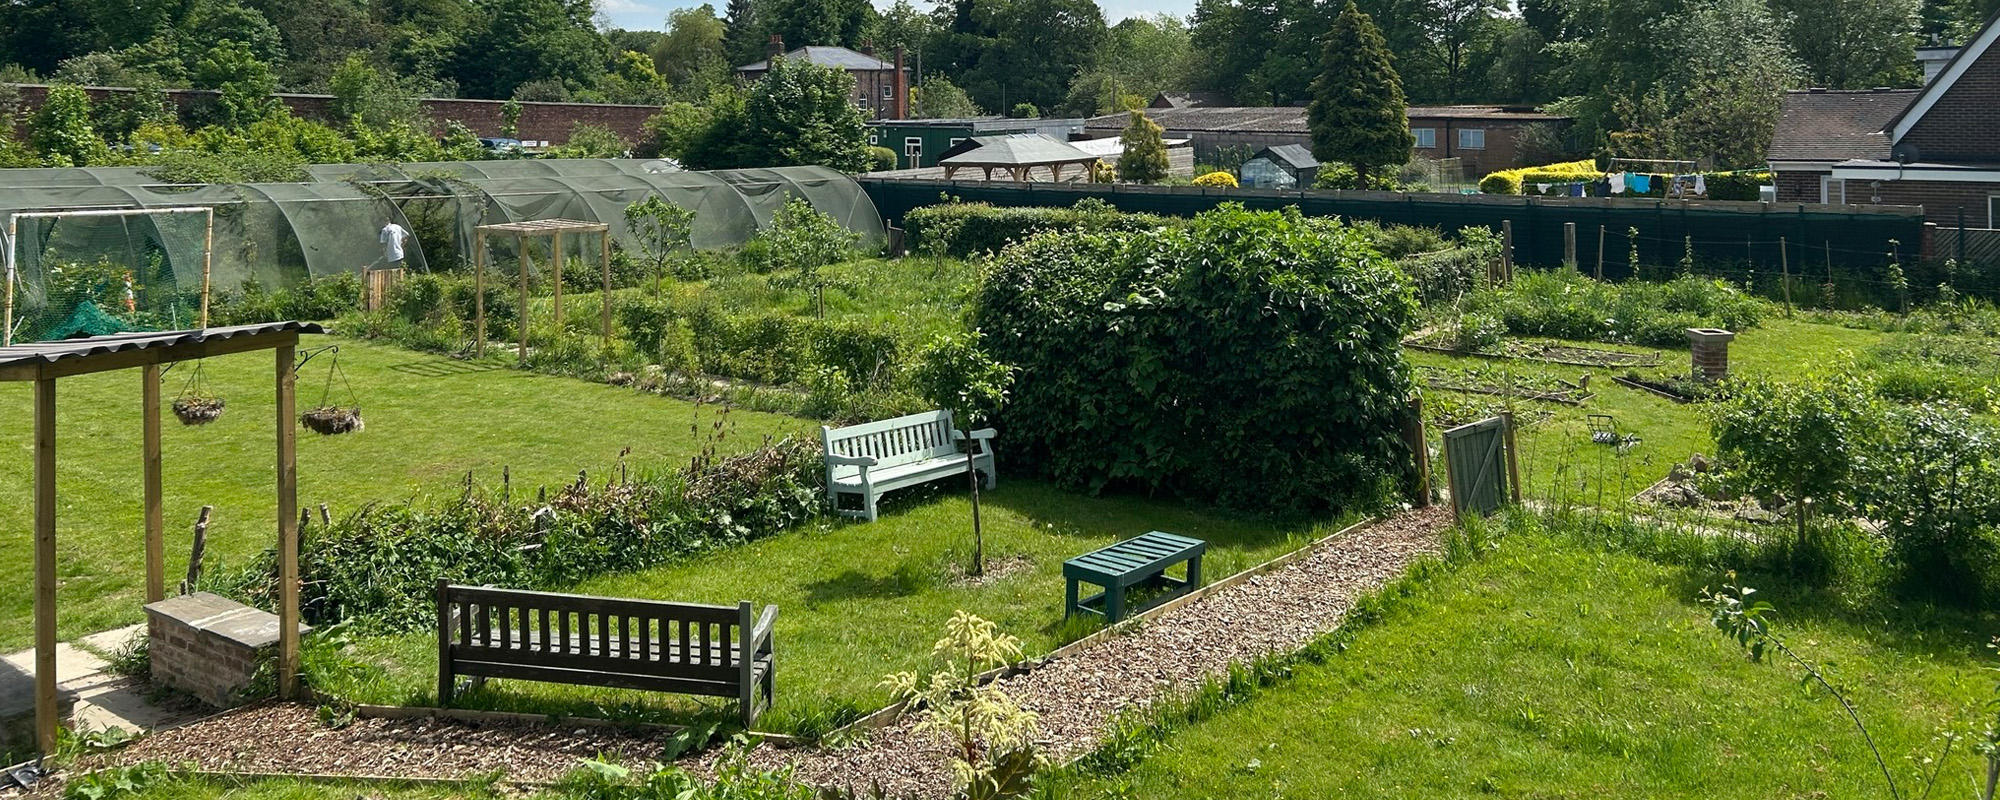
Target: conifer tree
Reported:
[(1145, 156), (1358, 115)]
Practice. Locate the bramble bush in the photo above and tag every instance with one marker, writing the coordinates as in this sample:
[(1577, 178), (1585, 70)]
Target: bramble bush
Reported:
[(968, 229), (1249, 359), (1562, 304)]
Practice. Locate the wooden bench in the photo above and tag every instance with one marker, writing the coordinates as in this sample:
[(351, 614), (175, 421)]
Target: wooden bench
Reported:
[(866, 461), (715, 651), (1138, 562)]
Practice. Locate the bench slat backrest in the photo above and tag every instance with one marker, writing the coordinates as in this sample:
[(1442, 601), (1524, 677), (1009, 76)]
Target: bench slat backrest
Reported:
[(892, 442), (601, 634)]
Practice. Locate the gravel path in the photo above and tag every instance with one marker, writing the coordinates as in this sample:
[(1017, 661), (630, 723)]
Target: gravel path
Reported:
[(289, 738), (1081, 695)]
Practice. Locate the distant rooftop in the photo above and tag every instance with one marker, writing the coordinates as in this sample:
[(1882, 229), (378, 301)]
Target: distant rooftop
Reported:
[(1016, 150), (1823, 125), (1292, 119), (836, 57)]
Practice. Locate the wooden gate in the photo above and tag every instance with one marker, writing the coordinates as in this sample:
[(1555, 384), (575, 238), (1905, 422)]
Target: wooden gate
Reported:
[(1475, 458)]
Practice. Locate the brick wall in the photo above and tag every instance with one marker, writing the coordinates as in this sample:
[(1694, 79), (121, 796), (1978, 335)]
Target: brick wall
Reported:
[(549, 122), (1798, 187), (1960, 126), (1941, 201), (209, 646)]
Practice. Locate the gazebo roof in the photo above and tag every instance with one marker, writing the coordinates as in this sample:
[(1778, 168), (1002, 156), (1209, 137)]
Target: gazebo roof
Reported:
[(1017, 150), (546, 226), (26, 362)]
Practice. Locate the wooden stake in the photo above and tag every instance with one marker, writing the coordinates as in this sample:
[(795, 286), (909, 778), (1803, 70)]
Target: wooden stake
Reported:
[(207, 266), (606, 261), (1506, 250), (521, 243), (1420, 451), (1785, 264), (1513, 465), (478, 293), (556, 251), (45, 565), (1600, 252), (325, 516), (156, 521), (1569, 245), (288, 530), (198, 550)]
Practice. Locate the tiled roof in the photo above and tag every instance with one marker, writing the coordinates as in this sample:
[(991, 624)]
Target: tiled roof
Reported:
[(1018, 150), (838, 57), (1295, 156), (1292, 119), (1822, 125)]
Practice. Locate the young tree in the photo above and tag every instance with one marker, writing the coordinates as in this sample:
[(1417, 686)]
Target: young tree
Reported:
[(1358, 115), (663, 229), (61, 132), (1854, 44), (802, 241), (1145, 156), (953, 372), (939, 98), (365, 94), (799, 114), (245, 84)]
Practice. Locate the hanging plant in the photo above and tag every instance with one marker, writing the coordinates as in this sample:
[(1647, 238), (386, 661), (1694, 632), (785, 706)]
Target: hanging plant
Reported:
[(327, 418), (196, 405)]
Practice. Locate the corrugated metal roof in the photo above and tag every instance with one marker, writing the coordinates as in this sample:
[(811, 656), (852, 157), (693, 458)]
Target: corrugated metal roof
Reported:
[(1018, 150), (837, 57), (1821, 125), (1292, 119), (1295, 156), (70, 349)]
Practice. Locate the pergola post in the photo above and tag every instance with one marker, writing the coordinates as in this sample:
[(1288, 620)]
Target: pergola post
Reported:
[(156, 526), (605, 260), (478, 293), (288, 525), (45, 564), (556, 253), (521, 245)]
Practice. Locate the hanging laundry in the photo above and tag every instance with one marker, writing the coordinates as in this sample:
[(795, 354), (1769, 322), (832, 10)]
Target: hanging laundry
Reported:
[(1701, 185), (1640, 183), (1576, 189), (1541, 188), (1617, 183)]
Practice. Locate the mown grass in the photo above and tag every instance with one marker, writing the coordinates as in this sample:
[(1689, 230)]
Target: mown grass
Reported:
[(1555, 668), (856, 601), (430, 421)]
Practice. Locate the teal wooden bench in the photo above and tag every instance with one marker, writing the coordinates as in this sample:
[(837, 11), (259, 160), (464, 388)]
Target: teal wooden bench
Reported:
[(865, 461), (1138, 562)]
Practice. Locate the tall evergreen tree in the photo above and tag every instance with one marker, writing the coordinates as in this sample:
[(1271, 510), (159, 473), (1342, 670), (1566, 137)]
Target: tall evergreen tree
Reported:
[(1145, 156), (740, 39), (1358, 114)]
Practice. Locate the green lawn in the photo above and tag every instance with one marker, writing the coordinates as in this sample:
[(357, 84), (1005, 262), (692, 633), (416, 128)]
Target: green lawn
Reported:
[(430, 421), (856, 601), (1551, 669)]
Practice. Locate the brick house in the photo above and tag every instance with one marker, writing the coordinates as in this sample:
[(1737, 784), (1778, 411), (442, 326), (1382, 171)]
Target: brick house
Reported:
[(881, 88), (1935, 147), (1484, 138)]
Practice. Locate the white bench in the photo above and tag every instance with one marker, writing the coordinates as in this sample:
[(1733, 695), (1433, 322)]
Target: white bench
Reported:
[(865, 461)]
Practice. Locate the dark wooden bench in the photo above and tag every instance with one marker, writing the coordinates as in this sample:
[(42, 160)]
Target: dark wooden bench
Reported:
[(1138, 562), (686, 648)]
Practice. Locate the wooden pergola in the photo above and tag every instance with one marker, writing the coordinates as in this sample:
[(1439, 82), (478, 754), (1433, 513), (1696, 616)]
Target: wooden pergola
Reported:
[(45, 363), (522, 232)]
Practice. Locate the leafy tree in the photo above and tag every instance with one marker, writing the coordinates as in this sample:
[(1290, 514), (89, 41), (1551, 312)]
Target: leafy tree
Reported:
[(742, 37), (1731, 70), (718, 143), (1853, 44), (1799, 443), (631, 80), (1358, 115), (903, 25), (799, 114), (801, 243), (212, 22), (122, 113), (939, 98), (510, 118), (61, 133), (670, 133), (319, 35), (363, 92), (1931, 483), (663, 229), (1145, 156), (1005, 52), (805, 23), (691, 56), (244, 81), (1454, 29), (519, 41), (1141, 57)]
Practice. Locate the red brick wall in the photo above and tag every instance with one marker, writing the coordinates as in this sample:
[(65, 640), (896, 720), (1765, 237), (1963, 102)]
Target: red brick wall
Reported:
[(1941, 201), (1960, 126), (1798, 187), (550, 122), (1502, 143)]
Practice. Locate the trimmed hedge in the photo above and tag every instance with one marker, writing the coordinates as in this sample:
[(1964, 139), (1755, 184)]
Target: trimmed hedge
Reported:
[(1247, 359), (1510, 181), (962, 230)]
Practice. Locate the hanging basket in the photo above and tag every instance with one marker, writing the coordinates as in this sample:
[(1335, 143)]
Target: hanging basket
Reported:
[(332, 420), (198, 409)]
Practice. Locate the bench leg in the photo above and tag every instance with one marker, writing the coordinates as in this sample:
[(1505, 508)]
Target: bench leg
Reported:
[(869, 505), (1194, 574), (1069, 599), (1114, 604)]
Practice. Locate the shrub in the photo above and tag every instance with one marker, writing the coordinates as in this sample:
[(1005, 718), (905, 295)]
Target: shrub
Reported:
[(1565, 305), (881, 159), (967, 229), (1344, 177), (1931, 484), (1249, 359), (1443, 276), (1510, 181), (1791, 442), (1216, 179)]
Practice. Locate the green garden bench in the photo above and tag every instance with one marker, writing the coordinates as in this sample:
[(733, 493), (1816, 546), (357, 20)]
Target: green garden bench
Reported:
[(1136, 563)]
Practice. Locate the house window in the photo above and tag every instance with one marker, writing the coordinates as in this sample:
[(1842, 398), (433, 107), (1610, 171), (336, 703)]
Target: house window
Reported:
[(1427, 138), (874, 139), (913, 147), (1993, 211), (1472, 139), (888, 91)]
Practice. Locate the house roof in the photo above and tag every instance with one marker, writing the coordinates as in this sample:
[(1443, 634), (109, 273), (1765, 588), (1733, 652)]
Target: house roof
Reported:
[(1191, 100), (837, 57), (1822, 125), (1292, 119), (1947, 77), (1114, 146), (1294, 156), (1016, 150)]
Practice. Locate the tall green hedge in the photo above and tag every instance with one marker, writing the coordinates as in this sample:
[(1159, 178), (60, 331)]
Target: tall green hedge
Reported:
[(1248, 359), (961, 230)]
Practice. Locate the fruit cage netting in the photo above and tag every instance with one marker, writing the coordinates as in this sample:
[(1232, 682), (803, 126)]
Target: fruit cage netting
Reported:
[(81, 274)]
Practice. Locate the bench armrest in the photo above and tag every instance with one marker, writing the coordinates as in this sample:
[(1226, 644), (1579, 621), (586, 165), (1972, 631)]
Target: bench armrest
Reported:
[(850, 461), (760, 634), (982, 434)]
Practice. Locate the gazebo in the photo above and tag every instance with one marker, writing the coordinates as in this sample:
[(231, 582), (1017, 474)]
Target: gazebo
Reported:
[(46, 362), (523, 233), (1018, 154)]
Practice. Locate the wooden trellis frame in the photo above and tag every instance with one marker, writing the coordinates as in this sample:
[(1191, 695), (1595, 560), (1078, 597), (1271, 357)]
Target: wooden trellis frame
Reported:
[(523, 232)]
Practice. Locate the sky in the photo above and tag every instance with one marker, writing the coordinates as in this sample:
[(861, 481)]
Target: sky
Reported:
[(651, 15)]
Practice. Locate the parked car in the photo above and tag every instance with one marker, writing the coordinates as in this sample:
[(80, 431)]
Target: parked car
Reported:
[(501, 146)]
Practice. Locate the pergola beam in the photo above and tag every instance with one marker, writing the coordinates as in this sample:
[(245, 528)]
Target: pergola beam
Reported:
[(159, 354)]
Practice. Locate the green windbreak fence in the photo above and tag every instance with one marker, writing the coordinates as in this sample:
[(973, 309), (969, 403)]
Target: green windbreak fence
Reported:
[(1753, 233)]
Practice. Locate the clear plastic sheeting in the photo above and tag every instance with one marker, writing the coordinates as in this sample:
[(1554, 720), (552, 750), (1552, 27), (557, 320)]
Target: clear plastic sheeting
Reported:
[(278, 234)]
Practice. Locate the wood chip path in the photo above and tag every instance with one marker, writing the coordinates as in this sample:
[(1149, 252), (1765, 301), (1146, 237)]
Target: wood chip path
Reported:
[(1080, 696)]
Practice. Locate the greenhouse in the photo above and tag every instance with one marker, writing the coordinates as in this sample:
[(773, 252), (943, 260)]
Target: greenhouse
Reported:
[(280, 233)]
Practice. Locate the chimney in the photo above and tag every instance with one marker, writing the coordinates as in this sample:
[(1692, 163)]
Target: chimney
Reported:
[(776, 47), (868, 47), (900, 105), (1711, 352)]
